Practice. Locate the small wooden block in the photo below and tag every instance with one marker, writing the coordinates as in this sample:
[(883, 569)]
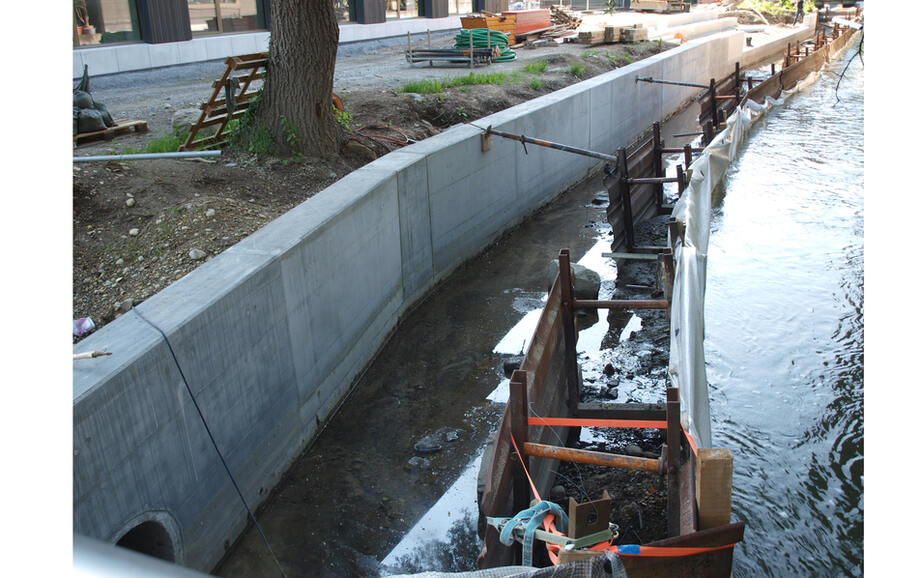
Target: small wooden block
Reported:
[(713, 487)]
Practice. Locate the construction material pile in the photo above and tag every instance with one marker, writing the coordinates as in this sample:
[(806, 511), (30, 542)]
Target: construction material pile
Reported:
[(472, 46), (484, 39), (562, 17)]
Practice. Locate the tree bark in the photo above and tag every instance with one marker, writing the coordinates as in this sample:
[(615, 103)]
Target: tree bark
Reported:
[(298, 95)]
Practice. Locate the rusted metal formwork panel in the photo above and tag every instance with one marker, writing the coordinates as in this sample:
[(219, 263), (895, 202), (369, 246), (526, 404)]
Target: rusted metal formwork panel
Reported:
[(788, 77), (640, 164), (547, 396), (715, 563), (723, 106)]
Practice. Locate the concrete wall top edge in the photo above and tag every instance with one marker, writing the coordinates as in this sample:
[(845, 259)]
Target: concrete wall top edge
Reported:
[(129, 337), (127, 340)]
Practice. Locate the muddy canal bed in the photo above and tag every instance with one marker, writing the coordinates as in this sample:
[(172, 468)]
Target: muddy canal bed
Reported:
[(389, 486)]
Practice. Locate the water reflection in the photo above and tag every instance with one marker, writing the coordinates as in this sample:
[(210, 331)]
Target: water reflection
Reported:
[(785, 343)]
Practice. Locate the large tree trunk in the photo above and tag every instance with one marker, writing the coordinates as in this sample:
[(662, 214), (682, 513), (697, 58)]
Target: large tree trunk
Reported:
[(299, 86)]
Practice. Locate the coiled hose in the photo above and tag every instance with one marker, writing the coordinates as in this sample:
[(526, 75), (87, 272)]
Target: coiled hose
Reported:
[(480, 35)]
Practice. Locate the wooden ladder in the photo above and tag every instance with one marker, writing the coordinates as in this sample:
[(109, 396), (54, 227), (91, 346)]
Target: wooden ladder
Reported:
[(238, 88)]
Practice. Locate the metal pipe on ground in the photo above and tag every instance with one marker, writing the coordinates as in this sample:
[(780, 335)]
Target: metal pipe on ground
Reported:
[(594, 458), (145, 156)]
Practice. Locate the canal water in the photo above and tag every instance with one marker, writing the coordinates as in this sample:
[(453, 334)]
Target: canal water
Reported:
[(785, 332)]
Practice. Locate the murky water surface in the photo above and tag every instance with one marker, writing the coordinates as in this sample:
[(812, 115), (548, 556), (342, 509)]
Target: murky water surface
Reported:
[(785, 339)]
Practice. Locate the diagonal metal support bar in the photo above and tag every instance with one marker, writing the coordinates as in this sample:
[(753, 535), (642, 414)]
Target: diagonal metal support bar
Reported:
[(552, 145), (672, 82)]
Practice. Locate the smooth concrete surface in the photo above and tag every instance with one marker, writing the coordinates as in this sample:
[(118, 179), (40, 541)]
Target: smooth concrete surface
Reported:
[(777, 46), (694, 30), (111, 59), (271, 334)]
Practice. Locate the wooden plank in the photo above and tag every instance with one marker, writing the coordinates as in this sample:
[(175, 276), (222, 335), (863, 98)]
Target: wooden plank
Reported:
[(714, 486), (258, 76), (122, 127), (220, 106), (222, 118), (252, 64)]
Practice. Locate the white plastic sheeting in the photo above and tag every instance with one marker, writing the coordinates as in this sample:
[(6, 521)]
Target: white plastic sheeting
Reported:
[(693, 210)]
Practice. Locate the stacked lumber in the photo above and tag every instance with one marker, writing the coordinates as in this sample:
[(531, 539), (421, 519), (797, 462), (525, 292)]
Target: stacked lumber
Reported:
[(489, 20), (530, 20), (613, 34), (590, 36), (561, 17), (634, 33)]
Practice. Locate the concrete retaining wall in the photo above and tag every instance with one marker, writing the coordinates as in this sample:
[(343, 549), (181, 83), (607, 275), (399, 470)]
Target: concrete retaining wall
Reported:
[(271, 333)]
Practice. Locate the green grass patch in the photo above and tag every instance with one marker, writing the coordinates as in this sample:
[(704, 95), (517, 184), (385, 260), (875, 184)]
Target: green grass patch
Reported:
[(475, 79), (168, 143), (427, 86), (577, 70), (432, 86), (535, 84), (536, 67), (621, 59)]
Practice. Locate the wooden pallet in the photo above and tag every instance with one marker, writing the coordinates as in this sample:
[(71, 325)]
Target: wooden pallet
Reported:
[(121, 127), (501, 23), (241, 90)]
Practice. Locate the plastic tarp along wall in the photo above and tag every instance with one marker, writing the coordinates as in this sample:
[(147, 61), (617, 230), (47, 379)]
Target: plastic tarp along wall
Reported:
[(693, 212)]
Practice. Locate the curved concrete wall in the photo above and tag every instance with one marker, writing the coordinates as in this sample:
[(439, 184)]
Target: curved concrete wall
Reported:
[(271, 333)]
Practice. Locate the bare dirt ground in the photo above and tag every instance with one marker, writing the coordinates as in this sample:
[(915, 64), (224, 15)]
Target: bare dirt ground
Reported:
[(140, 225)]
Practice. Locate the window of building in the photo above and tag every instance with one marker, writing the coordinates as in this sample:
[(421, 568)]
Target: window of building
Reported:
[(401, 9), (460, 7), (105, 21), (222, 16)]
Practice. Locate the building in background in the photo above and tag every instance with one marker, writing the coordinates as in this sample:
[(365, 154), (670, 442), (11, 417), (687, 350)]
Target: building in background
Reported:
[(101, 22), (120, 35)]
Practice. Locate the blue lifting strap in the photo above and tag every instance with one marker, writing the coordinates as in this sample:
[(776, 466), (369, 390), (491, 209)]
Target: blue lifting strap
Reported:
[(529, 520)]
